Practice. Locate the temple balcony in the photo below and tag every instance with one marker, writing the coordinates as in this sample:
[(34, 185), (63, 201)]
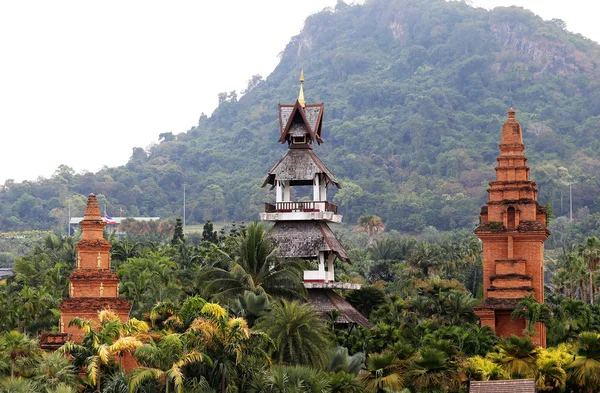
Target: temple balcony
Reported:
[(307, 210), (318, 276)]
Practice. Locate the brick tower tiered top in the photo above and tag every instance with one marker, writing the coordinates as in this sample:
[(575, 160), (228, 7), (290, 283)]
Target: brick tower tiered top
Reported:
[(301, 229), (513, 231), (93, 286)]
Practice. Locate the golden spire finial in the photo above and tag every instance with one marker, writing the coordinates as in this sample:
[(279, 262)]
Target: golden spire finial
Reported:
[(301, 94)]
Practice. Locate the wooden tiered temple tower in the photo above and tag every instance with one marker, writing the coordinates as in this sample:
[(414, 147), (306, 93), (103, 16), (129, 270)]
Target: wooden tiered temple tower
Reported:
[(301, 229), (93, 286), (513, 231)]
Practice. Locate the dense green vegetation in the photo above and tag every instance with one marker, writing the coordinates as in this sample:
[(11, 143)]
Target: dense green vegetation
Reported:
[(207, 318), (415, 92)]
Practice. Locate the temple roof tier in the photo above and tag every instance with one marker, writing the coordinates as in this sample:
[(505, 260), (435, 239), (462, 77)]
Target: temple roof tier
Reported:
[(94, 274), (326, 300), (95, 304), (299, 166), (305, 239)]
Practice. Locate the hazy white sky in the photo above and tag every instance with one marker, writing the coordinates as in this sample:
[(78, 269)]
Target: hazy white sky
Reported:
[(82, 83)]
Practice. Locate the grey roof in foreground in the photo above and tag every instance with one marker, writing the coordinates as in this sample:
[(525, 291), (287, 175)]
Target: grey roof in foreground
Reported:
[(304, 240), (509, 386), (6, 272), (325, 300)]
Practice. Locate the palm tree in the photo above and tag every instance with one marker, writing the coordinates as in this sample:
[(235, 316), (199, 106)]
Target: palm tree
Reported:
[(367, 299), (383, 371), (532, 312), (225, 340), (164, 361), (342, 382), (288, 379), (55, 370), (424, 257), (299, 333), (590, 251), (62, 388), (458, 307), (433, 371), (340, 361), (584, 371), (517, 357), (104, 341), (371, 225), (17, 346), (123, 250), (18, 385), (250, 306), (571, 318), (482, 369), (255, 268)]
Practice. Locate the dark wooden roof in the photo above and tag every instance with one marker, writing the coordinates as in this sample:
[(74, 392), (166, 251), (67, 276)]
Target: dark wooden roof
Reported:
[(510, 386), (304, 240), (298, 120), (299, 165), (492, 303), (325, 300), (93, 274), (95, 304)]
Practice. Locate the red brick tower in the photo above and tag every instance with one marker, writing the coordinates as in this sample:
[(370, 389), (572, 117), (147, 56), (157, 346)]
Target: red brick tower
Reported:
[(93, 286), (513, 232)]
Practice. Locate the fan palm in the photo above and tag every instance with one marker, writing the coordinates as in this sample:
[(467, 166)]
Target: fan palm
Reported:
[(255, 268), (433, 371), (517, 356), (584, 371), (299, 333), (54, 370), (383, 371)]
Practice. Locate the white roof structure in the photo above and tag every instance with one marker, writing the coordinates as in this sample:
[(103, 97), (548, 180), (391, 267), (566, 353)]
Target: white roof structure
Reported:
[(117, 220)]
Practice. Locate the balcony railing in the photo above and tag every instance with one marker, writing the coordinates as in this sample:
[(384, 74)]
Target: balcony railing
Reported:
[(318, 276), (308, 206)]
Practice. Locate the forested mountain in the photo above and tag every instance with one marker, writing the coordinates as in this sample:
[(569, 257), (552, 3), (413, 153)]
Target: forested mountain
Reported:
[(415, 93)]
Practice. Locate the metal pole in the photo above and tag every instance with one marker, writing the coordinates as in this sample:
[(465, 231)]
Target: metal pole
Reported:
[(69, 222), (183, 207), (570, 203)]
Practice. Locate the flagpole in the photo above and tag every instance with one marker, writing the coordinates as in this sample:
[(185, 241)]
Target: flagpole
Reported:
[(183, 207), (69, 222)]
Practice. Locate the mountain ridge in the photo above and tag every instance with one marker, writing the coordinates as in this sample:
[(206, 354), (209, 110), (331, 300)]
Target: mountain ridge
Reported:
[(415, 93)]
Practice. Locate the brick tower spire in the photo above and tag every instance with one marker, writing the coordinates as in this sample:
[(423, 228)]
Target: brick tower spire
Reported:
[(93, 286), (513, 231)]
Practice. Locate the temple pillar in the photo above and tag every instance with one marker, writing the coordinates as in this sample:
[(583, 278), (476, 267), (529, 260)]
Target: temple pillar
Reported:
[(279, 192), (286, 191)]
